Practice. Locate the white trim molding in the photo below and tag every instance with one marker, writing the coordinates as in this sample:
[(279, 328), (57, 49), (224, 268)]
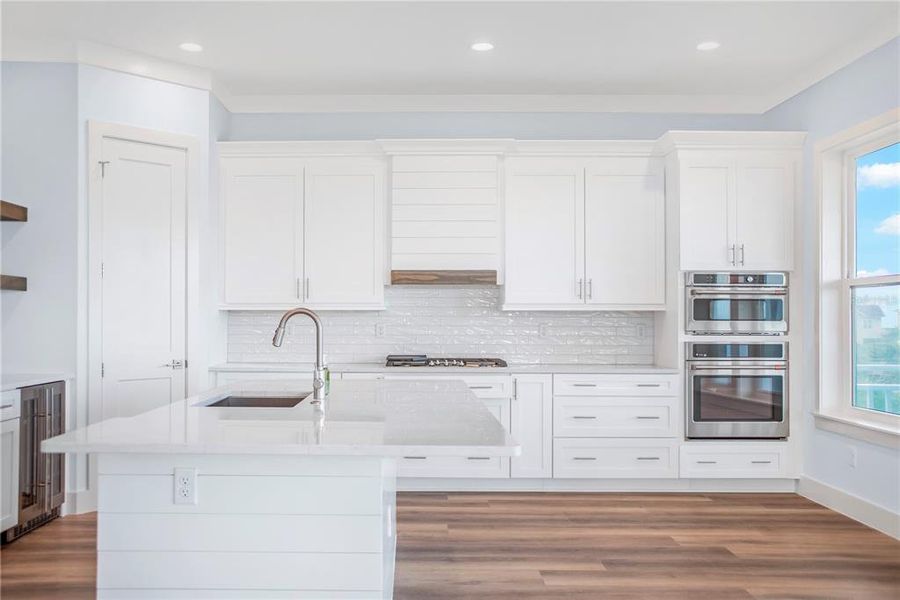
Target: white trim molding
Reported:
[(730, 140), (833, 410), (867, 513)]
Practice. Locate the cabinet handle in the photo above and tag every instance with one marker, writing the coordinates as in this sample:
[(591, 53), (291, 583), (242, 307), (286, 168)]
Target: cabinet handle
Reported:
[(761, 462), (515, 394), (742, 255), (706, 462), (479, 458), (299, 296), (649, 385), (583, 417), (731, 254), (580, 289), (590, 289), (584, 458), (415, 457), (481, 387), (5, 406), (306, 293), (648, 458), (654, 418), (584, 385)]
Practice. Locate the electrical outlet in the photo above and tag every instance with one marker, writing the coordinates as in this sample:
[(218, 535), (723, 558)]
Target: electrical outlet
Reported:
[(185, 486), (851, 458), (379, 330), (542, 329)]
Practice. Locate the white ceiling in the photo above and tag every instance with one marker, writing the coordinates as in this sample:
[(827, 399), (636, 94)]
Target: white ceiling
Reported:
[(396, 55)]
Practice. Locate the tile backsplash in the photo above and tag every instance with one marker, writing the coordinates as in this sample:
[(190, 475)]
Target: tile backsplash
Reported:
[(448, 321)]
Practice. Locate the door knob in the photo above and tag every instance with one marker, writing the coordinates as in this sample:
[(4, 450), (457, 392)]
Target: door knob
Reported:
[(176, 364)]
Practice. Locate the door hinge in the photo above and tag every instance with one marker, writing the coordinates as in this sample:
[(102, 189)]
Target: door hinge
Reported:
[(102, 369), (102, 269), (103, 164)]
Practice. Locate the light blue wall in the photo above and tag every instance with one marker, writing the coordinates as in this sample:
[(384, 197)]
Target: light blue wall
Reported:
[(524, 126), (40, 171), (862, 90)]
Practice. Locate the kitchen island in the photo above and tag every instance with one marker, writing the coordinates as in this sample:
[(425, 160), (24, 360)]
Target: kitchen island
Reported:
[(200, 501)]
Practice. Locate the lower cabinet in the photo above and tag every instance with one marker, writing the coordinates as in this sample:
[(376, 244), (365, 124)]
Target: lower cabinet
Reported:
[(721, 460), (531, 424), (9, 473), (589, 458)]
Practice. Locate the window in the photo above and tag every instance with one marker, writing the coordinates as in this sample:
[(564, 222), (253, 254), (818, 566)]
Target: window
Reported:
[(858, 188), (874, 276)]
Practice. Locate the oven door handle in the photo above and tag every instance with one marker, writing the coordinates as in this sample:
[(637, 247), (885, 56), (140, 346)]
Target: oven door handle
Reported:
[(739, 370), (739, 294)]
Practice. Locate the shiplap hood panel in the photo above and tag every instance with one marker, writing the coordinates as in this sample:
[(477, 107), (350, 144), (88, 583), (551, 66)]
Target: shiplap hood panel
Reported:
[(445, 211)]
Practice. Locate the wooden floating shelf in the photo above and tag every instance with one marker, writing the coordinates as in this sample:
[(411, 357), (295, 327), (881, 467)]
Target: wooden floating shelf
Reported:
[(448, 277), (12, 212), (13, 282)]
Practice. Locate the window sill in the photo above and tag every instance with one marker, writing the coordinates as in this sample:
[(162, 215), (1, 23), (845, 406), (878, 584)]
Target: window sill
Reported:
[(874, 433)]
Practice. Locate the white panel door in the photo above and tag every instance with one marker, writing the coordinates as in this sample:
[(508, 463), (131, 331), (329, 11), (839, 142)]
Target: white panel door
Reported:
[(9, 474), (764, 213), (262, 212), (143, 250), (707, 220), (343, 238), (531, 424), (624, 235), (544, 232)]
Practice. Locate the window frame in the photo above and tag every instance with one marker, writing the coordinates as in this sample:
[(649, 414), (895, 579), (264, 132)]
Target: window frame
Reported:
[(836, 182)]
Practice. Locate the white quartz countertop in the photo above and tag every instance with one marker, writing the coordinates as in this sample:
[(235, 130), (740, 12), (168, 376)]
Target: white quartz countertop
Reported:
[(361, 418), (12, 381), (305, 368)]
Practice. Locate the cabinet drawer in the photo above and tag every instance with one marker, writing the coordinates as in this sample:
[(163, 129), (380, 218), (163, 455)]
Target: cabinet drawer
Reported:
[(483, 386), (614, 458), (633, 416), (453, 466), (10, 404), (229, 377), (615, 385), (718, 461)]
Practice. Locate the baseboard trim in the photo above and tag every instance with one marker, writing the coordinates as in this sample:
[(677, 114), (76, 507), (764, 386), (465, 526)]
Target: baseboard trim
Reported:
[(858, 509), (428, 484)]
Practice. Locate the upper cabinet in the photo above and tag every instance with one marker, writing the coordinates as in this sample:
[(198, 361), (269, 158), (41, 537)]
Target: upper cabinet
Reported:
[(736, 194), (302, 230), (584, 233)]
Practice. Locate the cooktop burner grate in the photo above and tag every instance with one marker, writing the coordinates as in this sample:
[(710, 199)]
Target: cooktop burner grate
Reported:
[(421, 360)]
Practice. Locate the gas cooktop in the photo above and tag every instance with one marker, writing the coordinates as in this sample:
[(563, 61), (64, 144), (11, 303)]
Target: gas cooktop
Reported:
[(421, 360)]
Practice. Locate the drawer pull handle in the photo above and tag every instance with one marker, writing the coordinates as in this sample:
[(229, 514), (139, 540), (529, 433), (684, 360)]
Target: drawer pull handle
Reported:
[(415, 457), (479, 458), (761, 462), (5, 406), (648, 458), (583, 417), (584, 458), (706, 462), (648, 417), (584, 385), (649, 385), (481, 387)]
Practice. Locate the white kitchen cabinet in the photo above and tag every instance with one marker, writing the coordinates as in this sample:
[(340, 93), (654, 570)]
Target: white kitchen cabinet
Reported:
[(344, 225), (585, 416), (736, 460), (302, 230), (589, 458), (544, 233), (531, 424), (9, 473), (625, 233), (736, 209), (584, 234), (262, 228)]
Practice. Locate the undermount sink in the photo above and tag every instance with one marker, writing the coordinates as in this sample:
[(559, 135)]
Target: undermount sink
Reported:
[(251, 401)]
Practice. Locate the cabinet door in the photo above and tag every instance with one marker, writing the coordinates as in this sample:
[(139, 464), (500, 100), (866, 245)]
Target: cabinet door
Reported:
[(764, 213), (262, 203), (625, 233), (707, 223), (343, 247), (544, 233), (531, 424), (9, 474)]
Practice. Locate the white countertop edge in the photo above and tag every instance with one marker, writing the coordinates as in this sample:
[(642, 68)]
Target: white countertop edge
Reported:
[(549, 369), (14, 381)]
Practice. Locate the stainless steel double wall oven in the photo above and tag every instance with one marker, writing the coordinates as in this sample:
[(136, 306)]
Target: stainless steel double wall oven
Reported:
[(737, 388)]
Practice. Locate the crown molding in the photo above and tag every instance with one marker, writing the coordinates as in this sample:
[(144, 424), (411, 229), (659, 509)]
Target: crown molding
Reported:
[(584, 148), (300, 148), (730, 140), (492, 146)]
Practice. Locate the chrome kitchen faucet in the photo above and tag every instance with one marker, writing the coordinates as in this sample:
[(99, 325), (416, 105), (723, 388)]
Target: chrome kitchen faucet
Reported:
[(319, 371)]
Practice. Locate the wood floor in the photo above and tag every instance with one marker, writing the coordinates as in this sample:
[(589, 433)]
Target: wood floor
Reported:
[(598, 546)]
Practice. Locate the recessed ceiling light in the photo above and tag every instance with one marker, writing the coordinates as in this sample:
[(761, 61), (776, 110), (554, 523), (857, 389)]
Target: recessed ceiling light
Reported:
[(706, 46), (190, 47), (482, 46)]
